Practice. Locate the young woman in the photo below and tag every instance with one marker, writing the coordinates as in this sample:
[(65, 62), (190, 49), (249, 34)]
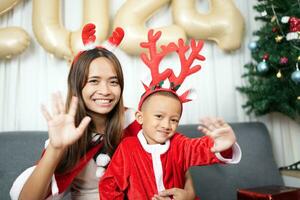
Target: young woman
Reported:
[(83, 133)]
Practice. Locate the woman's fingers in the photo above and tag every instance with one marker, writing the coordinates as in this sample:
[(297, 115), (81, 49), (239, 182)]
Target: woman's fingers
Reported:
[(83, 124), (45, 113), (60, 103), (54, 104), (73, 106)]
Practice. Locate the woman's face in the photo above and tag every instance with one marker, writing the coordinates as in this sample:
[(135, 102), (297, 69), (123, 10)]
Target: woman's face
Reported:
[(102, 91)]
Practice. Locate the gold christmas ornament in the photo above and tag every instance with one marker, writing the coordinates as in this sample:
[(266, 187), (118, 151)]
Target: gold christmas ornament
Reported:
[(273, 19), (279, 75), (278, 38), (298, 58), (298, 97)]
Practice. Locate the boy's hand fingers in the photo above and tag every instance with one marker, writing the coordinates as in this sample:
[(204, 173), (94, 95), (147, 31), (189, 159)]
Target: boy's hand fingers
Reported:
[(168, 192)]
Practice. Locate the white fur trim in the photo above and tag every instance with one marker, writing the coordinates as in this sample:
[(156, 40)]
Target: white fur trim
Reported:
[(236, 155), (19, 183), (100, 171), (107, 45), (46, 143), (89, 46), (129, 117), (54, 187), (95, 137), (156, 150), (102, 160)]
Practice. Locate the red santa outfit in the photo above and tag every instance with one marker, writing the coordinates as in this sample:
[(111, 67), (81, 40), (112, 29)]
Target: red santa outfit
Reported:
[(139, 170)]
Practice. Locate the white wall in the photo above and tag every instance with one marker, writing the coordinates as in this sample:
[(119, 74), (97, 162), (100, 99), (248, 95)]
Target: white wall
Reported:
[(27, 81)]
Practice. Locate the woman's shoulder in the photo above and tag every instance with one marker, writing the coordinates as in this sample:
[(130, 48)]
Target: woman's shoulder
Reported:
[(129, 115)]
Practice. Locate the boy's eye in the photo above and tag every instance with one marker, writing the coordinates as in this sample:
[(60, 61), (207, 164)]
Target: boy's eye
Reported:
[(175, 120), (158, 116)]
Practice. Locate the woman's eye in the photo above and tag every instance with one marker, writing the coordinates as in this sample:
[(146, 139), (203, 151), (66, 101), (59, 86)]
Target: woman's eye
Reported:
[(114, 83), (93, 81)]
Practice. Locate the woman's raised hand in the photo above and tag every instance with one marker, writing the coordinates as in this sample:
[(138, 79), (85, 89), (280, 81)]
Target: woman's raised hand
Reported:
[(61, 124)]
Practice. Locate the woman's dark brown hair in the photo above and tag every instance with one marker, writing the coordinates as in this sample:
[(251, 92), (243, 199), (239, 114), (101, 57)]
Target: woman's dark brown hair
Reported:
[(77, 79)]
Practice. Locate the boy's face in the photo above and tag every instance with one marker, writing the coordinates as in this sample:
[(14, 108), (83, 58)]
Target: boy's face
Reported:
[(159, 117)]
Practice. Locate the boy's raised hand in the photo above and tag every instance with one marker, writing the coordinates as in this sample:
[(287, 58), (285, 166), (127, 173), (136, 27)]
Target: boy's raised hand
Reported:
[(219, 131), (61, 124)]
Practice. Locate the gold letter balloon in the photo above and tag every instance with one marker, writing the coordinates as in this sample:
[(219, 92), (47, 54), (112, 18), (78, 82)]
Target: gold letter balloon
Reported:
[(223, 24), (133, 15), (13, 40), (57, 40)]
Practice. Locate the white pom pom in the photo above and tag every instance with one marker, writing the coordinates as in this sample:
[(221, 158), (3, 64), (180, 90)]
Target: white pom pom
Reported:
[(285, 19), (102, 160), (100, 171)]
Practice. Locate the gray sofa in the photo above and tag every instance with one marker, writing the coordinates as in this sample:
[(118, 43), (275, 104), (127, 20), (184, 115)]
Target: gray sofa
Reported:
[(19, 150)]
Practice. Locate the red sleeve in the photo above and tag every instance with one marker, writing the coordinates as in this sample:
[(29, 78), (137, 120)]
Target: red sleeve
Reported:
[(227, 153), (195, 151), (114, 182), (132, 129)]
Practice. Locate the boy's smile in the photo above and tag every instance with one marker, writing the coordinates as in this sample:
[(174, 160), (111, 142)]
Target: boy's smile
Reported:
[(159, 117)]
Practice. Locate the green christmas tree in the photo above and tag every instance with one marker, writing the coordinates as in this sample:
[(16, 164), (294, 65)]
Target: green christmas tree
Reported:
[(273, 75)]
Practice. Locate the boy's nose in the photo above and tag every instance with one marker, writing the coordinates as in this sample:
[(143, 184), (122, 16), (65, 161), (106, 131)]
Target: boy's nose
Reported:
[(166, 124)]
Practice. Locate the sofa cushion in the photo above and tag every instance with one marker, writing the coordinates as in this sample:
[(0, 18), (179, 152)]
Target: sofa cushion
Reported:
[(18, 151), (257, 166)]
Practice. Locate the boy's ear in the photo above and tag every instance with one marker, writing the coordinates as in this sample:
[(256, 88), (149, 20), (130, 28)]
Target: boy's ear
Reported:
[(139, 117)]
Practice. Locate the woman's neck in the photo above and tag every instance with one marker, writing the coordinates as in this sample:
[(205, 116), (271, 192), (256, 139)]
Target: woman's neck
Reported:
[(99, 122)]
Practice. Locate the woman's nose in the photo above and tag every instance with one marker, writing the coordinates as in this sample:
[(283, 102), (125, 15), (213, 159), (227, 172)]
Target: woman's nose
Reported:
[(103, 89)]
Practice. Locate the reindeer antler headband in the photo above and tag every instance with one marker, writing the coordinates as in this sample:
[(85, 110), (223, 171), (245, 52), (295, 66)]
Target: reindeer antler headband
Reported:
[(89, 38), (152, 61)]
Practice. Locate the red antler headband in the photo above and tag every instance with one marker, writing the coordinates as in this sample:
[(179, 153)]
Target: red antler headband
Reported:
[(152, 61), (89, 38)]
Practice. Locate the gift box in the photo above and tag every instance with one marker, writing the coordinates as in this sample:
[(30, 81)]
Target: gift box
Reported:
[(272, 192)]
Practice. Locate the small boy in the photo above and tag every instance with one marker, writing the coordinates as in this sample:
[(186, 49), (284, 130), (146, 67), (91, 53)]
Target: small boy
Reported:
[(158, 158)]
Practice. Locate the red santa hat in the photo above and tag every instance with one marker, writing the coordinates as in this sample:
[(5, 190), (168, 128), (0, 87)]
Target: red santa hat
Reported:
[(154, 57)]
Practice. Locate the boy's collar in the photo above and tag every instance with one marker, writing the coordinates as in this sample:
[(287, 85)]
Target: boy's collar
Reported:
[(152, 148)]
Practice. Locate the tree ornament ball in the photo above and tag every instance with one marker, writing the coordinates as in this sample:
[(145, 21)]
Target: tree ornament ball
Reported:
[(296, 76), (252, 45), (262, 67)]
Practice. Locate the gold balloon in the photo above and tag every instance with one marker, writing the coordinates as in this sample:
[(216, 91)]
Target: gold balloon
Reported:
[(223, 24), (57, 40), (132, 17), (13, 41), (6, 5)]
